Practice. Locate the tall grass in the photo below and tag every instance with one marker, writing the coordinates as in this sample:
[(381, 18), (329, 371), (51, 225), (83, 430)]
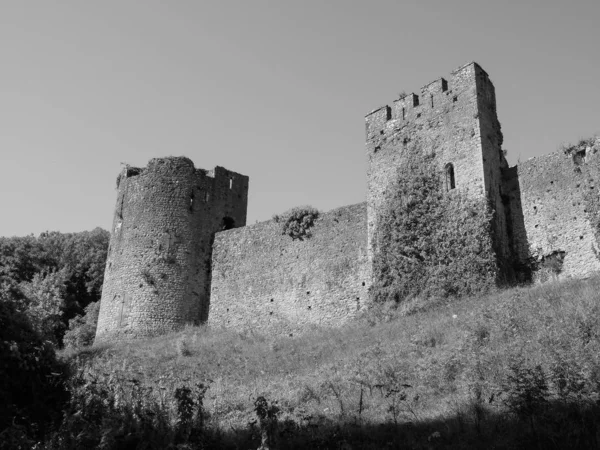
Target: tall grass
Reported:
[(519, 367)]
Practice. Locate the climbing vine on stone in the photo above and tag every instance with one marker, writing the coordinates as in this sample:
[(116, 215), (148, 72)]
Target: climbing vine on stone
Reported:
[(297, 222), (429, 243)]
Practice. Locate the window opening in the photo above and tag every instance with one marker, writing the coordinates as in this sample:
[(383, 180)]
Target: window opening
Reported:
[(450, 182), (227, 223), (388, 113), (230, 183)]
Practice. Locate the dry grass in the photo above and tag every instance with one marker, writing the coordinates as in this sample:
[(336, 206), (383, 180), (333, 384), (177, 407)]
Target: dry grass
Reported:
[(446, 370)]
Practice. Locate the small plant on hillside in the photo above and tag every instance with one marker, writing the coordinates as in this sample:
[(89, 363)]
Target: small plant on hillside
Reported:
[(183, 347), (190, 413), (297, 222), (113, 410), (526, 392), (267, 413)]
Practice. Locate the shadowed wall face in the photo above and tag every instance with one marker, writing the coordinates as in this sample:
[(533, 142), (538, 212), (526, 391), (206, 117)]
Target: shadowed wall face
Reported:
[(266, 281), (157, 276)]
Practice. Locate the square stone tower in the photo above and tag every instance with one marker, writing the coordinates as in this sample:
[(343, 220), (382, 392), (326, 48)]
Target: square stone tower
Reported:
[(455, 120)]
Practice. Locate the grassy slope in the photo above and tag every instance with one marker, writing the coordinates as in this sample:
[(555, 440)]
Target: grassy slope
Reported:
[(445, 370)]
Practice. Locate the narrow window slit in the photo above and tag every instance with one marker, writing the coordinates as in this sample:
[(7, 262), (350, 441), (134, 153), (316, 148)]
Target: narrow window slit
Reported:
[(450, 181)]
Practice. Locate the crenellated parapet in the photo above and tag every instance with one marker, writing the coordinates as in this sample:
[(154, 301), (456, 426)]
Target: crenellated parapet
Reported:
[(436, 97)]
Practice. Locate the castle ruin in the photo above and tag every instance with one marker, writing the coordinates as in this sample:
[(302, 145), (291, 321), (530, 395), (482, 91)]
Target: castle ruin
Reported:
[(181, 253)]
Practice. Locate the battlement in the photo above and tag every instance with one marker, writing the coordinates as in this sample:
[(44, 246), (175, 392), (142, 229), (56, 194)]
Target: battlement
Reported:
[(432, 98)]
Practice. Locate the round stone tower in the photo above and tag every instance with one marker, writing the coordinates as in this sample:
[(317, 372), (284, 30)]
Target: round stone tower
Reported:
[(157, 276)]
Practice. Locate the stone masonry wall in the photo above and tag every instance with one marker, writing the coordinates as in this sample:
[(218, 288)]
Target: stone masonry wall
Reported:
[(157, 276), (453, 120), (550, 214), (266, 281), (177, 256)]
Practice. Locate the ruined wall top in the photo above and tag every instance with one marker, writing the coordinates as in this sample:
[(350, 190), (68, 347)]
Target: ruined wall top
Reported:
[(183, 166), (437, 92)]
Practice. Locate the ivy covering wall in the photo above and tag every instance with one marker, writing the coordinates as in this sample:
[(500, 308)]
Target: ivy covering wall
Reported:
[(431, 242)]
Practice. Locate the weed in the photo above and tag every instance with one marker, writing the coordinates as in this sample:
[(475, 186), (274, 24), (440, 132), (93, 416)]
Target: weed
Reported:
[(148, 277), (182, 346), (267, 413), (526, 391)]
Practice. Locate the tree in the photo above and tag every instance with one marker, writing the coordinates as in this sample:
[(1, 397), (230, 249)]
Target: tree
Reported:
[(32, 389), (82, 328)]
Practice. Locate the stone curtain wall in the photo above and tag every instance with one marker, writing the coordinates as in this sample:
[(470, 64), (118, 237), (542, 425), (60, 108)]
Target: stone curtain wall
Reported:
[(157, 276), (160, 276), (266, 281), (454, 120), (557, 194)]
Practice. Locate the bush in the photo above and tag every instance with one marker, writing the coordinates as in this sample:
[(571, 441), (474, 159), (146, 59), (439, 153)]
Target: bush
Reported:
[(298, 221), (112, 411), (54, 276), (31, 379), (44, 299), (82, 329)]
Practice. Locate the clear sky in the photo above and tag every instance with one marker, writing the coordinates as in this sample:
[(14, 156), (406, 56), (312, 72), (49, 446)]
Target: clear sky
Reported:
[(276, 90)]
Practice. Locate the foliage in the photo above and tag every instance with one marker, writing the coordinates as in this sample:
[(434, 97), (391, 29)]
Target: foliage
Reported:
[(31, 378), (111, 411), (53, 277), (514, 369), (297, 222), (44, 303), (82, 328), (527, 390), (431, 243), (267, 413), (581, 146)]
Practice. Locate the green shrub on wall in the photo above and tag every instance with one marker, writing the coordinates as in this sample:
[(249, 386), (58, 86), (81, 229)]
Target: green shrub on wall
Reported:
[(431, 243), (297, 222)]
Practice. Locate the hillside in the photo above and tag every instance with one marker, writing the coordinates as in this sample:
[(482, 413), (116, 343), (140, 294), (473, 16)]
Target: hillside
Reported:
[(516, 369)]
